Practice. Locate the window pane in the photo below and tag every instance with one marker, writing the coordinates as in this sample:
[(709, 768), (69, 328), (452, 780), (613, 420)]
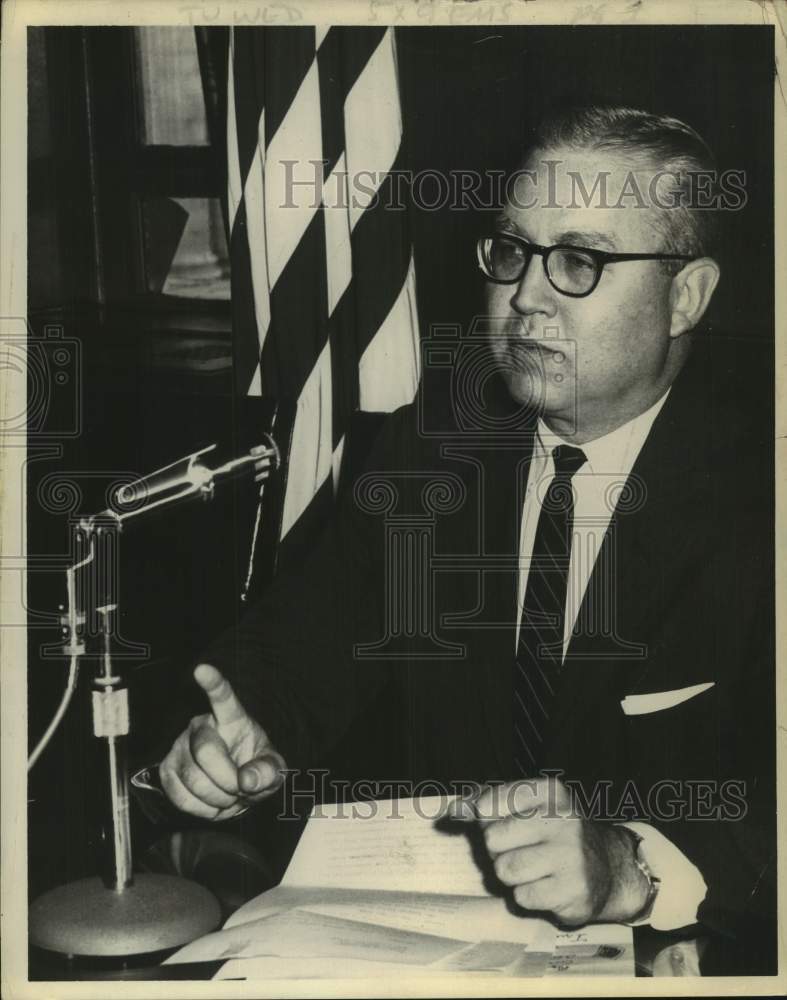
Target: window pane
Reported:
[(200, 268), (173, 108)]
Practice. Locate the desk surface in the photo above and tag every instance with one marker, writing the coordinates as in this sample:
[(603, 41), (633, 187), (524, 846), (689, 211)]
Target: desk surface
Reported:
[(235, 876)]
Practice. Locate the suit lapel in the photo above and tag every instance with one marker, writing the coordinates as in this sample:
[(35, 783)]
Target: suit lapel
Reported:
[(493, 515), (641, 561), (508, 473)]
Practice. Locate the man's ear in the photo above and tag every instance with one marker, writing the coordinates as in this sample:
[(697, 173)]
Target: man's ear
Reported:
[(691, 291)]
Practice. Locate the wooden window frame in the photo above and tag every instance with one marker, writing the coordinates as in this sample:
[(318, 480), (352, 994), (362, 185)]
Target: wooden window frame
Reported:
[(104, 170)]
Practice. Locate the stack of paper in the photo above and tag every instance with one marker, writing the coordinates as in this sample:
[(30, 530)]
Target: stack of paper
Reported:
[(389, 885)]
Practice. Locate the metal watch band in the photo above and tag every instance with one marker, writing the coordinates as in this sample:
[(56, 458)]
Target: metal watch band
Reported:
[(654, 883)]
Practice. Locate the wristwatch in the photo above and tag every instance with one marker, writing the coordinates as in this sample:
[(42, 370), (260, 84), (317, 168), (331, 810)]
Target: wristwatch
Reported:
[(654, 883)]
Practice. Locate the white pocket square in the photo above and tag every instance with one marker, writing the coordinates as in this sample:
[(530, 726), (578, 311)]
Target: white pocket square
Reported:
[(657, 701)]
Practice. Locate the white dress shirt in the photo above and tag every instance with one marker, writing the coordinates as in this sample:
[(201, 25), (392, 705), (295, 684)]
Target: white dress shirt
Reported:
[(597, 486)]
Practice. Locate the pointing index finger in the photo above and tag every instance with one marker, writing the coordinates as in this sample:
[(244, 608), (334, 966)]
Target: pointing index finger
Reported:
[(224, 702)]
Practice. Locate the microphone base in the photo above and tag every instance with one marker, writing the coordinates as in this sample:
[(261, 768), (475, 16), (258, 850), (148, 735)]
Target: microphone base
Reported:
[(155, 913)]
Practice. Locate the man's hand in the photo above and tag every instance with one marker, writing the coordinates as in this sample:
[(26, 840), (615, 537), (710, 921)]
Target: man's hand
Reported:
[(576, 869), (223, 761)]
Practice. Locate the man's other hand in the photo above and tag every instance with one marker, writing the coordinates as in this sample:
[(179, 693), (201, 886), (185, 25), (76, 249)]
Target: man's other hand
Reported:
[(223, 761), (554, 860)]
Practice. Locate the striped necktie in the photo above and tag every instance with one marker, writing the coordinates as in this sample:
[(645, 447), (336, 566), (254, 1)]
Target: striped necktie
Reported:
[(540, 648)]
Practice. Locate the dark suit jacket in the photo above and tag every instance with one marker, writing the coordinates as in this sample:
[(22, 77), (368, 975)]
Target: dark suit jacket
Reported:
[(682, 594)]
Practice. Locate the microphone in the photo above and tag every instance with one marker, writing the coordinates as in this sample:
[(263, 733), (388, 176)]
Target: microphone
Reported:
[(187, 477), (124, 913)]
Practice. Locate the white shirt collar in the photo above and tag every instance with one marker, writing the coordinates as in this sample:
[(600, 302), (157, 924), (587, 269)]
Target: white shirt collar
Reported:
[(615, 452)]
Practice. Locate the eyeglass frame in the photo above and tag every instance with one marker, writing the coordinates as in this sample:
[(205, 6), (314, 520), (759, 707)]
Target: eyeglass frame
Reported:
[(600, 258)]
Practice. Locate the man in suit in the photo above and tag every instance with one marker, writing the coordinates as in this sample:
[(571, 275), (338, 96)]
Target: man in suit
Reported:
[(600, 649)]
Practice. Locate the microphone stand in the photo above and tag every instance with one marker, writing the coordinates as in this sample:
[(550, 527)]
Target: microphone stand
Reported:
[(122, 913)]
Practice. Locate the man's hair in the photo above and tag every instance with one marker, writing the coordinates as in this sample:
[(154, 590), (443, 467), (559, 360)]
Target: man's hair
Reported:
[(666, 144)]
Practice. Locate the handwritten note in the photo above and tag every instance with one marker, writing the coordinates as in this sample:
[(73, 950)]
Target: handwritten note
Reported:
[(400, 847), (391, 885)]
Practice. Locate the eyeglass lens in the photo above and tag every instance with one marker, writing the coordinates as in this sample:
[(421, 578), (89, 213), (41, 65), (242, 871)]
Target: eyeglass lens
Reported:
[(571, 271)]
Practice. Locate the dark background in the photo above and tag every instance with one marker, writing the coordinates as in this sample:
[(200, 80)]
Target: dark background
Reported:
[(152, 376)]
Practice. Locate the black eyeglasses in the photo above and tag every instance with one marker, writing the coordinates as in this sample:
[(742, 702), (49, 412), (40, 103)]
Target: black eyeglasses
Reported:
[(574, 271)]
